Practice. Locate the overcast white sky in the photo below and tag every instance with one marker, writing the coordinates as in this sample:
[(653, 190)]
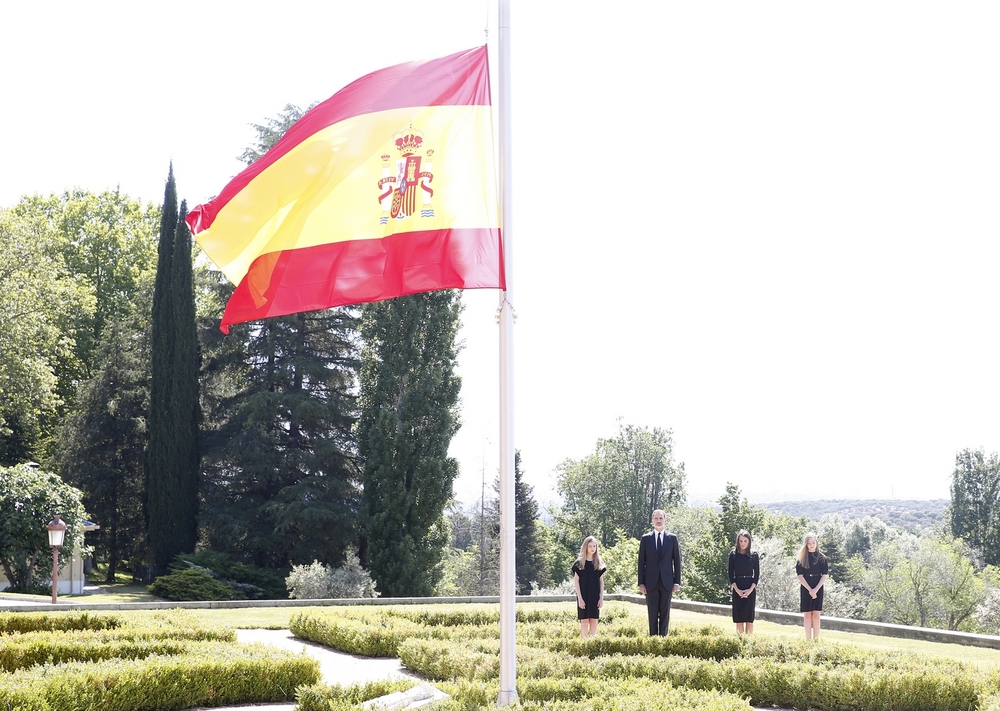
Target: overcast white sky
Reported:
[(770, 227)]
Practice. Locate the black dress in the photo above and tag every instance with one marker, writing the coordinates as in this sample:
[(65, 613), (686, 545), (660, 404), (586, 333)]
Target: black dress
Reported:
[(744, 570), (590, 589), (817, 568)]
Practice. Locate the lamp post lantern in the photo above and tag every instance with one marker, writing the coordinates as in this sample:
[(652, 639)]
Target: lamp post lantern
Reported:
[(57, 534)]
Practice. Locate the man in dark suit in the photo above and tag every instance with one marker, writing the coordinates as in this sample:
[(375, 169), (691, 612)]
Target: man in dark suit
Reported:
[(659, 572)]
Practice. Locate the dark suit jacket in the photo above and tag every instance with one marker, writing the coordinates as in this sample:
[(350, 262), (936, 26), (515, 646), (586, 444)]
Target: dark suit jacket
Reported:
[(666, 567)]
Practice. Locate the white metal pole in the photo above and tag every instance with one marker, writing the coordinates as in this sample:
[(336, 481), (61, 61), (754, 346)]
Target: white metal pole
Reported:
[(508, 674)]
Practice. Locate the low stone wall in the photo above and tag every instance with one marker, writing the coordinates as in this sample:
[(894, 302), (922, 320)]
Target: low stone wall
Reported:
[(835, 623), (708, 608)]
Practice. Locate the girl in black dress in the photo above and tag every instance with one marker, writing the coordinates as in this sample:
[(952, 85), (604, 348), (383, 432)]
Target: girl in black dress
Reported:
[(588, 577), (744, 574), (812, 569)]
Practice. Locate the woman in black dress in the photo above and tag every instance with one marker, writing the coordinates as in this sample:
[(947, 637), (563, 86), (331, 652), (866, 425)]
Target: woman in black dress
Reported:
[(588, 577), (744, 574), (812, 569)]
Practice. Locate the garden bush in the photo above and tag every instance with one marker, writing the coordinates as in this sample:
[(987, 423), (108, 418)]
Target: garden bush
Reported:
[(321, 582), (253, 582), (191, 585), (370, 636), (43, 621), (336, 697)]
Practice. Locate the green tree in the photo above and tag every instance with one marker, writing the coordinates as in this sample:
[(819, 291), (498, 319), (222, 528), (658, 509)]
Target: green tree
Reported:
[(620, 559), (529, 563), (620, 484), (282, 478), (40, 303), (102, 445), (172, 457), (832, 534), (107, 241), (409, 415), (975, 502), (29, 498), (925, 582), (709, 556), (863, 535)]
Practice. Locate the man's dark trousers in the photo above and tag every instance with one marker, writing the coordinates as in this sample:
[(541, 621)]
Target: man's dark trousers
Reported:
[(658, 607)]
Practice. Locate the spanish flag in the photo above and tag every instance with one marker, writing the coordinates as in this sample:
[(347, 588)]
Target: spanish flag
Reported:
[(387, 188)]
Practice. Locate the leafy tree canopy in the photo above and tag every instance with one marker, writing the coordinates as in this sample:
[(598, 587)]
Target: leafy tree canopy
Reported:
[(29, 498)]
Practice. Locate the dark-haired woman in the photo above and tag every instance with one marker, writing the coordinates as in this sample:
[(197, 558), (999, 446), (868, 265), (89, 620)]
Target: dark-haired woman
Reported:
[(744, 574)]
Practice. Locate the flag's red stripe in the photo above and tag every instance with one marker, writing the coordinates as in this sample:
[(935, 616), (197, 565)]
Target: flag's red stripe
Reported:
[(460, 79), (358, 271)]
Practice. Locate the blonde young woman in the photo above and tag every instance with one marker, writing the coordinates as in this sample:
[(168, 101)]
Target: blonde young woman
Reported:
[(811, 567), (588, 578)]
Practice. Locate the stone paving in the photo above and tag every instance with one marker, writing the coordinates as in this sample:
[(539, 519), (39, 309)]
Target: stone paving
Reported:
[(334, 667)]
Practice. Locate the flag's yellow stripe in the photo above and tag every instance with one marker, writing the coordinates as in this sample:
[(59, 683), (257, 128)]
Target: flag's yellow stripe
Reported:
[(326, 189)]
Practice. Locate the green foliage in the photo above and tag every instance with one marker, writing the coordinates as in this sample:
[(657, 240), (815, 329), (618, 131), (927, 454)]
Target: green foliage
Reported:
[(318, 581), (371, 637), (192, 584), (41, 306), (975, 502), (409, 414), (253, 581), (925, 582), (205, 674), (29, 497), (709, 555), (620, 484), (281, 474), (620, 560), (172, 457), (703, 667), (282, 479), (529, 564), (335, 697), (21, 623), (102, 445), (83, 662)]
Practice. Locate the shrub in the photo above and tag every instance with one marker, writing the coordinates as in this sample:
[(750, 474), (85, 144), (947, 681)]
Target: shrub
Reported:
[(253, 582), (44, 621), (334, 697), (191, 584), (371, 637), (205, 674), (321, 582)]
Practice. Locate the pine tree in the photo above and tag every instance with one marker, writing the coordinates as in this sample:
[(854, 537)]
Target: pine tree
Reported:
[(172, 458), (102, 447), (409, 414), (529, 564), (282, 482)]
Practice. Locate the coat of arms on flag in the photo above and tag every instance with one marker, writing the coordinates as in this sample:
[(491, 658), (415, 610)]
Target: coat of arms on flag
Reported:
[(406, 181)]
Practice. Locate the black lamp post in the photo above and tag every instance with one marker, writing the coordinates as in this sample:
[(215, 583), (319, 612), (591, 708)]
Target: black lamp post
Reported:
[(57, 534)]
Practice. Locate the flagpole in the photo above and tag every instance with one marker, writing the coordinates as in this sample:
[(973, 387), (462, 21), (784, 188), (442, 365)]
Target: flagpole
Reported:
[(508, 674)]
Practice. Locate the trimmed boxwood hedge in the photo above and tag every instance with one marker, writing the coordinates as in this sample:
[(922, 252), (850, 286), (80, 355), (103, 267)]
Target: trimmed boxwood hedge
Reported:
[(695, 667), (77, 662)]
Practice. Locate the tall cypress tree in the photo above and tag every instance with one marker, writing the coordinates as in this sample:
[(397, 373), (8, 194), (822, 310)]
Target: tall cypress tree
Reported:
[(409, 394), (171, 456)]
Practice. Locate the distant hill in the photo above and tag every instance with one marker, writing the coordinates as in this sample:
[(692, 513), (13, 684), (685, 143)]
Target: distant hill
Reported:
[(908, 515)]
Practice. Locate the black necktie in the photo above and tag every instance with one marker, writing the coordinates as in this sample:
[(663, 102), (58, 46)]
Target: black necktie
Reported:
[(659, 543)]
